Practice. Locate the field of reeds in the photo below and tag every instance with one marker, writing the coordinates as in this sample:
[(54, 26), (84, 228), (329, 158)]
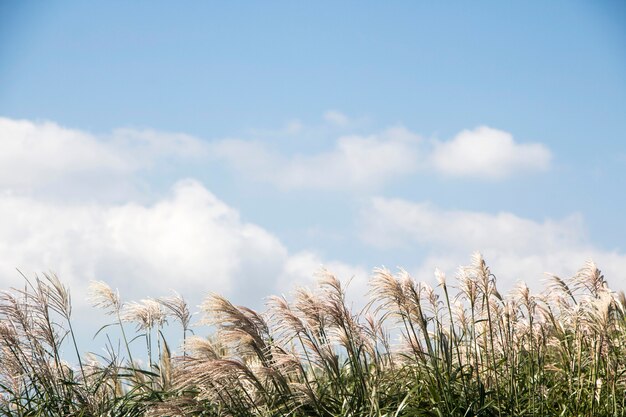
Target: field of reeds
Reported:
[(460, 349)]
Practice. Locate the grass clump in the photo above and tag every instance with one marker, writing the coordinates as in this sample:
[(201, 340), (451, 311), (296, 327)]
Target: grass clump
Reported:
[(460, 349)]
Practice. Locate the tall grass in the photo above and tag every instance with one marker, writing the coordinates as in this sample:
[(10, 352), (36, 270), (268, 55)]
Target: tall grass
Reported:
[(460, 349)]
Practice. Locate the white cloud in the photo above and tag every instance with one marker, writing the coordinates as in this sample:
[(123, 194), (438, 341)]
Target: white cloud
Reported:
[(46, 156), (32, 153), (189, 241), (361, 161), (488, 153), (355, 161), (37, 154), (516, 248), (396, 221)]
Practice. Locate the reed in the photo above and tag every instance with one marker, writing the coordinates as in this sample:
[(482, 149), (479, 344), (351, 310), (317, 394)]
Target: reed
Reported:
[(459, 349)]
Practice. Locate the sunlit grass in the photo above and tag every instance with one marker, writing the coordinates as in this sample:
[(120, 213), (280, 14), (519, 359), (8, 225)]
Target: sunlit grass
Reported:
[(461, 349)]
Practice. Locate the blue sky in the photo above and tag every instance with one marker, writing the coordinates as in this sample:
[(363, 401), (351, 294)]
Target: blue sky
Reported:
[(237, 147)]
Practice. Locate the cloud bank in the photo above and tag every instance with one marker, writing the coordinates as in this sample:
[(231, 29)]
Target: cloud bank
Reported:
[(188, 238), (185, 238)]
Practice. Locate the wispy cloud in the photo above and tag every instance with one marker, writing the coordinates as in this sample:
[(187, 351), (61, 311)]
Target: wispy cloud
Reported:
[(516, 247), (35, 154), (354, 161), (424, 223), (336, 117), (370, 160)]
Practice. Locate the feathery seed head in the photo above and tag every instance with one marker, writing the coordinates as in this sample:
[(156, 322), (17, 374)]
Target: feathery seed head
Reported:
[(178, 308), (145, 314), (102, 296)]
